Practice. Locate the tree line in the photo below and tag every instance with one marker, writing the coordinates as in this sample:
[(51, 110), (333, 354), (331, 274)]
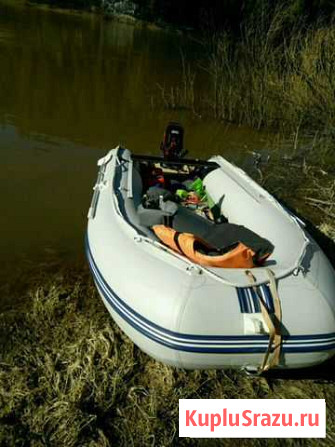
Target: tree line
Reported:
[(218, 14)]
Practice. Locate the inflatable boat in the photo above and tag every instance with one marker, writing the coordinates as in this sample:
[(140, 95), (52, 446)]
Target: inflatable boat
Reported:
[(279, 313)]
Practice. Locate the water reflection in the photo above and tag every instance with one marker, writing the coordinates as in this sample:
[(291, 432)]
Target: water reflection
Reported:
[(87, 80), (70, 87)]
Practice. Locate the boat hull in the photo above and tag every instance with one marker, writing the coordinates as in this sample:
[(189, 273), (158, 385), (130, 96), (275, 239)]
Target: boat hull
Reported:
[(198, 351), (192, 318)]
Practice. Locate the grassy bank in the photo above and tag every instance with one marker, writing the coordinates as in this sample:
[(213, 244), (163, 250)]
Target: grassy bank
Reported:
[(70, 377), (301, 174)]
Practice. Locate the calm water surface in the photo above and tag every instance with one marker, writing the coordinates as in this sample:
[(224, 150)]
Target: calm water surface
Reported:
[(72, 86)]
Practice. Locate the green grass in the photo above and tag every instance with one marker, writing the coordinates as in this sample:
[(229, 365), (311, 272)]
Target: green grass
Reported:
[(70, 377)]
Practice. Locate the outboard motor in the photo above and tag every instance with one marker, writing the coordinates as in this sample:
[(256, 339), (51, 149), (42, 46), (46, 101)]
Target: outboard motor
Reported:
[(173, 141)]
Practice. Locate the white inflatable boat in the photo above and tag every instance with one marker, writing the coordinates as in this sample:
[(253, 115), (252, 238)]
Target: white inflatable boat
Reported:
[(280, 314)]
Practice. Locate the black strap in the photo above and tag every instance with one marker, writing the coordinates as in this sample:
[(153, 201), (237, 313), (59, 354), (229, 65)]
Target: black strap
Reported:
[(168, 221)]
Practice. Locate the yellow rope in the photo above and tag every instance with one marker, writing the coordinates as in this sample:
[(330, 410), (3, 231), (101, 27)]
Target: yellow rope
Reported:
[(272, 321), (277, 319)]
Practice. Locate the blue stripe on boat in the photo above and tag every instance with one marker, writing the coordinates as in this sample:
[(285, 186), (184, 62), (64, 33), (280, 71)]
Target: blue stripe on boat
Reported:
[(241, 299), (268, 297), (249, 300), (256, 301), (204, 343)]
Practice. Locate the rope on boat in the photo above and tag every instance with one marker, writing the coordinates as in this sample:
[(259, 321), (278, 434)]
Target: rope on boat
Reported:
[(272, 320)]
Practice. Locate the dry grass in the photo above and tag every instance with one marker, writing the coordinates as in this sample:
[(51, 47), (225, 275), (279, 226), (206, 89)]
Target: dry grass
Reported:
[(300, 172), (267, 80), (274, 75), (70, 377)]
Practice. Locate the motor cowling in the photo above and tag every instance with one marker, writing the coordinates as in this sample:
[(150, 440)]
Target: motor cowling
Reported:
[(172, 145)]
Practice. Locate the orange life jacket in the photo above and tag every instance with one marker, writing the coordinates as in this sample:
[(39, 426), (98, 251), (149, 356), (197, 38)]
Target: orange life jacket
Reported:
[(240, 256)]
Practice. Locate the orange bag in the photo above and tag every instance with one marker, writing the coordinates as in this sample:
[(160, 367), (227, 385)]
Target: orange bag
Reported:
[(240, 256)]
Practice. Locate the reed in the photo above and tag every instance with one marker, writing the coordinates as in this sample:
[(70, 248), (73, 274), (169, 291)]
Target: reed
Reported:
[(278, 73), (273, 77), (183, 95)]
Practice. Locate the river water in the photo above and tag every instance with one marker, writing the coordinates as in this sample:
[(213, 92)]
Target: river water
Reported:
[(71, 87)]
